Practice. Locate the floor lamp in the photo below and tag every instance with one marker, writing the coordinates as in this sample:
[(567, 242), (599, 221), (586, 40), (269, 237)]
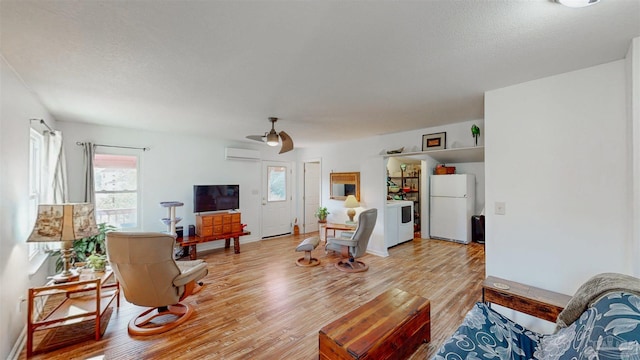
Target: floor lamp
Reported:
[(64, 223)]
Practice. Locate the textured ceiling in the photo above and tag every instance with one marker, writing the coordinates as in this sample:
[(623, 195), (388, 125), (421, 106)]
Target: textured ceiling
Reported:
[(330, 70)]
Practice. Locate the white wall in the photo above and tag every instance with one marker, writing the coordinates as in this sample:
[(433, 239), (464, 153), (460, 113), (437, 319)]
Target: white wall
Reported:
[(367, 157), (17, 106), (633, 91), (170, 169), (557, 155)]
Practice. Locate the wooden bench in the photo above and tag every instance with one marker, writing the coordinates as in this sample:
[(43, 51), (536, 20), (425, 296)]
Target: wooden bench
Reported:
[(391, 326), (192, 241)]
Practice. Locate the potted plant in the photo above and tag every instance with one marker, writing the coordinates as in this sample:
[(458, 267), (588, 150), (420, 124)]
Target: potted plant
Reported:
[(321, 214), (97, 262), (87, 246)]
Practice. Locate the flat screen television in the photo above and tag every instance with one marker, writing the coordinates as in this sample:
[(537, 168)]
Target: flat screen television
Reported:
[(215, 197)]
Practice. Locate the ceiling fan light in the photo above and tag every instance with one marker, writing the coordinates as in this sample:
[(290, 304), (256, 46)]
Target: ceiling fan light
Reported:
[(272, 139), (577, 3)]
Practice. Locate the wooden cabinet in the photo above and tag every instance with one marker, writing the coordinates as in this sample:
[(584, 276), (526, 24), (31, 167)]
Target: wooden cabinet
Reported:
[(218, 224)]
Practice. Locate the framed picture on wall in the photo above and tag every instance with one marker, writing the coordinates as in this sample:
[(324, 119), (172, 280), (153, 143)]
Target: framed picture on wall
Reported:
[(436, 141)]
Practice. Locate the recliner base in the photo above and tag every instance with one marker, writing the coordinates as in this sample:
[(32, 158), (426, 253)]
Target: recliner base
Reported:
[(351, 266), (143, 325)]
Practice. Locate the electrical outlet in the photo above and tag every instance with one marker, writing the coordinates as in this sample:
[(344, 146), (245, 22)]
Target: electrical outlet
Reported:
[(501, 208)]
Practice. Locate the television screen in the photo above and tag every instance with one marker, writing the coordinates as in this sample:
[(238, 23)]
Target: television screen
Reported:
[(215, 197)]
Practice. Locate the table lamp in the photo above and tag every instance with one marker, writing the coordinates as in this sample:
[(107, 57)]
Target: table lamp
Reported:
[(351, 203), (64, 223)]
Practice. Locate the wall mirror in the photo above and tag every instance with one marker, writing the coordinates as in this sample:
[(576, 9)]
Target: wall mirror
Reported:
[(343, 184)]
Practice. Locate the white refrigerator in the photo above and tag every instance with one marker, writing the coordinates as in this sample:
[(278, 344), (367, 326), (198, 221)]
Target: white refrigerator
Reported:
[(452, 203)]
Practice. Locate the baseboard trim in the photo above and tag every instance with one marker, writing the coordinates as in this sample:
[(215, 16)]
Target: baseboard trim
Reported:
[(19, 344), (378, 253)]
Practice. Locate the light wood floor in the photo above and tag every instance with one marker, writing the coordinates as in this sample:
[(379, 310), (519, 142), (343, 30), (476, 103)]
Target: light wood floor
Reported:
[(259, 305)]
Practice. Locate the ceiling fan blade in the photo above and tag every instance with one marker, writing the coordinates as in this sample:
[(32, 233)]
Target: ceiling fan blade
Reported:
[(287, 142), (256, 137)]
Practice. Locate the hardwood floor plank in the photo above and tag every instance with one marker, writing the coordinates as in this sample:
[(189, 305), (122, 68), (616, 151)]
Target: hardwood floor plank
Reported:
[(259, 305)]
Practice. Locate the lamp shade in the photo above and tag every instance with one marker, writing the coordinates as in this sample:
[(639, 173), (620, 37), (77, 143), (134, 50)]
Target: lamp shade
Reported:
[(64, 222), (351, 202)]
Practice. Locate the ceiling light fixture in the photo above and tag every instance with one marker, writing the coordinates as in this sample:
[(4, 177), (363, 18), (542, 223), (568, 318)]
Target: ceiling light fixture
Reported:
[(577, 3), (272, 138)]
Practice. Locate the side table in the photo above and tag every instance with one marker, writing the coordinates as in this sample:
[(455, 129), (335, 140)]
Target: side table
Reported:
[(334, 227), (543, 304), (83, 300)]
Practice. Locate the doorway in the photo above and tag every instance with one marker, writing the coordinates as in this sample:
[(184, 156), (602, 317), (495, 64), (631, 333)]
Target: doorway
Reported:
[(312, 191), (276, 198)]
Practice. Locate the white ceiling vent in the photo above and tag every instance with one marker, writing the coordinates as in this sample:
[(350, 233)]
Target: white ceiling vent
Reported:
[(241, 154)]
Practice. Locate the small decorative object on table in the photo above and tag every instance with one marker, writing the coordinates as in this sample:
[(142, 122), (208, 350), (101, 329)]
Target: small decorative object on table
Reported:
[(97, 262), (475, 132), (436, 141), (321, 214)]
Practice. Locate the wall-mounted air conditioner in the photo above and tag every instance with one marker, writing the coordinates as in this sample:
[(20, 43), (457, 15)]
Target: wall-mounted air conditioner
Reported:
[(241, 154)]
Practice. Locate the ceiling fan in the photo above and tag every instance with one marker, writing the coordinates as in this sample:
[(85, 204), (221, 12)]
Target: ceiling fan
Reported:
[(271, 138)]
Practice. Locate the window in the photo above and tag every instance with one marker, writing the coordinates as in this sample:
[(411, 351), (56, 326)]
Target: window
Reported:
[(277, 183), (35, 180), (116, 188)]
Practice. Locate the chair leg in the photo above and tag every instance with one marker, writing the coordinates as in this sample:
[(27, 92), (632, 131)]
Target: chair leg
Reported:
[(143, 325)]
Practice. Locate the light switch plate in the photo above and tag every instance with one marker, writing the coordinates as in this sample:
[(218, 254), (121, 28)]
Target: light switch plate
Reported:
[(500, 208)]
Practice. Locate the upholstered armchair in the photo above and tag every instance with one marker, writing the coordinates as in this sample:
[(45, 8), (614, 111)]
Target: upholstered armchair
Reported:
[(354, 245), (149, 276), (599, 322)]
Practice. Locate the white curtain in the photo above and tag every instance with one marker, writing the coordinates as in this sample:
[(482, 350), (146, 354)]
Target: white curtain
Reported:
[(54, 190), (89, 185)]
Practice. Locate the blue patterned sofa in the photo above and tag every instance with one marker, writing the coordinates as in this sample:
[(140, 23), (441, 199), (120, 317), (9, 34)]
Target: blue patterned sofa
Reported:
[(609, 328)]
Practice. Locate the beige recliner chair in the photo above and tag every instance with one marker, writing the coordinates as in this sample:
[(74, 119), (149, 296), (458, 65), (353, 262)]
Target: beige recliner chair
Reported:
[(355, 243), (143, 264)]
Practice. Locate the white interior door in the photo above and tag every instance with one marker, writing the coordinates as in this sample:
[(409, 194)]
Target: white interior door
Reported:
[(311, 195), (276, 198)]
